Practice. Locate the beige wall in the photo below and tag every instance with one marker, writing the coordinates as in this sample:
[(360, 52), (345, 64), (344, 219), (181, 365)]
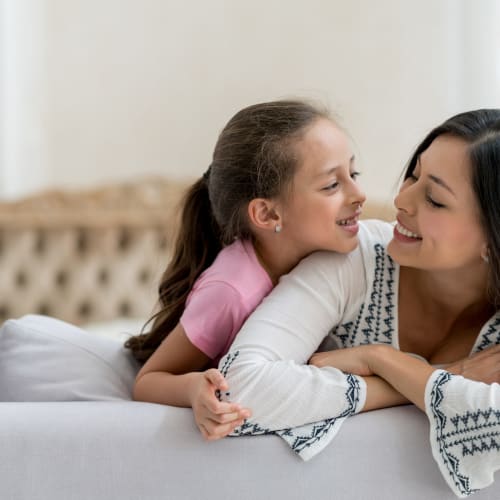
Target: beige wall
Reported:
[(97, 90)]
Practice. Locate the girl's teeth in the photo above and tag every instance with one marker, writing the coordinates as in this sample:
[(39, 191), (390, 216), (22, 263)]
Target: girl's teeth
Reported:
[(405, 232), (345, 222)]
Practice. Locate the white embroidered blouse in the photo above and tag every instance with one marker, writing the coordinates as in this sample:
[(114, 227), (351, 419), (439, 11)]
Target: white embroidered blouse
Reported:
[(334, 300)]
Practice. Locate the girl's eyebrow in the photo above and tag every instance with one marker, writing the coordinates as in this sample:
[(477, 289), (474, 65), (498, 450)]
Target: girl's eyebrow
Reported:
[(331, 170)]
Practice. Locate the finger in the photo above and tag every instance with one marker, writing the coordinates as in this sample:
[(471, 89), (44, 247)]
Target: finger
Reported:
[(217, 431), (216, 378), (226, 418), (216, 407), (225, 412), (203, 431)]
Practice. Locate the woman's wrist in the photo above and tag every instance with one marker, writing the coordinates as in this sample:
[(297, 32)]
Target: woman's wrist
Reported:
[(407, 374), (378, 357)]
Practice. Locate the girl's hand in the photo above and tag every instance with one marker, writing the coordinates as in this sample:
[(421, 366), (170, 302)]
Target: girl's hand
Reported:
[(483, 366), (215, 419), (355, 360)]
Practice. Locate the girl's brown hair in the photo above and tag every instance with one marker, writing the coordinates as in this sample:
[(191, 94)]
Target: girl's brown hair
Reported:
[(255, 157)]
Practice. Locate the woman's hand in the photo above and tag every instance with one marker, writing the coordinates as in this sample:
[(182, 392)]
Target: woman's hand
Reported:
[(215, 419), (355, 360), (483, 366)]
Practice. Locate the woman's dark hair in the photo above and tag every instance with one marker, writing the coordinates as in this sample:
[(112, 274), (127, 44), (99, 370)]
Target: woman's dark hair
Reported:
[(255, 157), (480, 129)]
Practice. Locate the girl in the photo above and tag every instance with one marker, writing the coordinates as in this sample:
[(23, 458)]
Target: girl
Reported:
[(280, 186), (429, 286)]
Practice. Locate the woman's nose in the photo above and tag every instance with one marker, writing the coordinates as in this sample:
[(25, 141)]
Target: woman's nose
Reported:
[(404, 200)]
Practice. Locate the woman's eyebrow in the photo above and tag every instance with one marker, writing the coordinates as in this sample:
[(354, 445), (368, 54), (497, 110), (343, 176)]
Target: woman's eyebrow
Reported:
[(441, 183), (437, 179)]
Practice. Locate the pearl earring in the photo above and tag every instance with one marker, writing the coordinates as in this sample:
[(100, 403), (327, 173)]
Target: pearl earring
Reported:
[(485, 255), (277, 228)]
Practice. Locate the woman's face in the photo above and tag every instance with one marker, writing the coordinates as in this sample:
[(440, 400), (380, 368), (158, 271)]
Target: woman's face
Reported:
[(322, 211), (438, 224)]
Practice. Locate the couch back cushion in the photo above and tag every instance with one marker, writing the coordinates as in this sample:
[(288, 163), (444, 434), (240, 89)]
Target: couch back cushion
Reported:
[(45, 359)]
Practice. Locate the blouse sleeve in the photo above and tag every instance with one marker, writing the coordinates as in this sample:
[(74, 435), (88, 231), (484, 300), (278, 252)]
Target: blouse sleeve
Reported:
[(265, 367), (464, 420)]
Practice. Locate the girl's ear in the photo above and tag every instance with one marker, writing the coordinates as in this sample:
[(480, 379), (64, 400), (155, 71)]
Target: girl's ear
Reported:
[(264, 214)]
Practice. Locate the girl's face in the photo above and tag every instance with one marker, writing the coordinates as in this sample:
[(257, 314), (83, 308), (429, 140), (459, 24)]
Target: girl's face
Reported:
[(438, 224), (322, 211)]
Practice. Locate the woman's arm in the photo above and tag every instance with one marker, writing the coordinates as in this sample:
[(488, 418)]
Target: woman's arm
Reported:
[(463, 414), (407, 374), (266, 366), (170, 377)]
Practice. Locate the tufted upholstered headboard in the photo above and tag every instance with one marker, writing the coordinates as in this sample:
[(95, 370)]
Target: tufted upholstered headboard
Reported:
[(91, 256), (86, 256)]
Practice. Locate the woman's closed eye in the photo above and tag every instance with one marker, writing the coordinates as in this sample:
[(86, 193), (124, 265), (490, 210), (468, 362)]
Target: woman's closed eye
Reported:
[(433, 202)]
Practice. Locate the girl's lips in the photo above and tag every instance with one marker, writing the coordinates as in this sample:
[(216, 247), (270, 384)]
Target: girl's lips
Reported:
[(350, 225)]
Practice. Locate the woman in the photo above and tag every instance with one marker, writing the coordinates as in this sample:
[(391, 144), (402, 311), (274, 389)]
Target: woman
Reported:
[(429, 286)]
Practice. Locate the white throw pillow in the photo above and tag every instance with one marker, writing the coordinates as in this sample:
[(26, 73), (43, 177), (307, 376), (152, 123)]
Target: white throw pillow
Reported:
[(45, 359)]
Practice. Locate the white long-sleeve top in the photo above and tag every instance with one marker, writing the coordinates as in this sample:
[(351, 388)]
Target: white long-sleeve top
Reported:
[(335, 300)]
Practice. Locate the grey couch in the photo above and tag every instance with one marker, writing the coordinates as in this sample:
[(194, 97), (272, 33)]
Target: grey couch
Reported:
[(68, 429)]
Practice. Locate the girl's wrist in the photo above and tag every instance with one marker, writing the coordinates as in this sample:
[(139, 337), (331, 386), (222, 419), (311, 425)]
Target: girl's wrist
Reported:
[(192, 381)]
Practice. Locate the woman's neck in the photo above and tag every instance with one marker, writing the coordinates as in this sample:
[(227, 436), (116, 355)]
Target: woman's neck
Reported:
[(448, 293)]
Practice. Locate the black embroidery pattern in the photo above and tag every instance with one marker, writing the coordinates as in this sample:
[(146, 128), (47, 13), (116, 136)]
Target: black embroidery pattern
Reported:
[(305, 436), (461, 435), (375, 321), (492, 334)]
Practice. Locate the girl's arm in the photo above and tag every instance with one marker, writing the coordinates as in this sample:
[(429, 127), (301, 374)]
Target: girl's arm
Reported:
[(171, 377)]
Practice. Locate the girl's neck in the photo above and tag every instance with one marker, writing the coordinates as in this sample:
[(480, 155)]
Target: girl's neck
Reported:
[(275, 259)]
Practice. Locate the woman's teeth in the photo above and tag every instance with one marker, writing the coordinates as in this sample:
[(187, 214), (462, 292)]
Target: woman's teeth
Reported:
[(405, 232)]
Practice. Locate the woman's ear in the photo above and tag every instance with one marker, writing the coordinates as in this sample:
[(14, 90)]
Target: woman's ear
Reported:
[(264, 214)]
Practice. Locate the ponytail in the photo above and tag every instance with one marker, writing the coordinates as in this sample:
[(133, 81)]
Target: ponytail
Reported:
[(197, 244)]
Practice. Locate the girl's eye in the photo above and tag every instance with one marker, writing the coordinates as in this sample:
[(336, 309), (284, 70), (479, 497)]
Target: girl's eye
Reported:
[(432, 202), (331, 186), (355, 175)]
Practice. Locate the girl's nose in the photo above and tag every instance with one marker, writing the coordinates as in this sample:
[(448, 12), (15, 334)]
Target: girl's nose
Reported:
[(357, 196)]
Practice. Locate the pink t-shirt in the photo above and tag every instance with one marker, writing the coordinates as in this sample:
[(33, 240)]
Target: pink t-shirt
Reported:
[(223, 297)]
